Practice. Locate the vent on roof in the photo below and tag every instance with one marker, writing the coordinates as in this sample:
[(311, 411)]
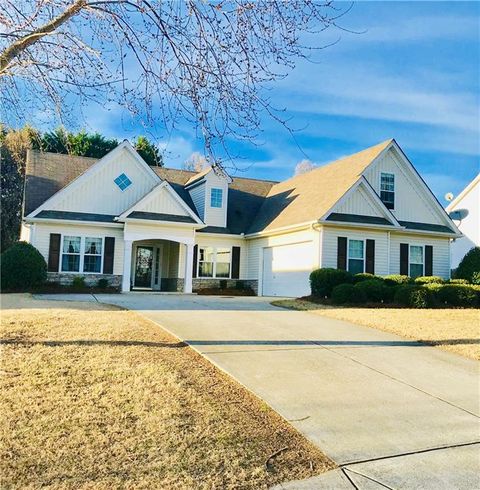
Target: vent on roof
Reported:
[(122, 181)]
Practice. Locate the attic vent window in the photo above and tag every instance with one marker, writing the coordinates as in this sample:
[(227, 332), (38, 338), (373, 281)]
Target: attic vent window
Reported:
[(123, 182), (387, 190)]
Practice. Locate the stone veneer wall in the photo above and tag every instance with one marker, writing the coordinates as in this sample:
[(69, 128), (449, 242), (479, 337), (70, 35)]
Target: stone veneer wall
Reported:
[(230, 283), (90, 279)]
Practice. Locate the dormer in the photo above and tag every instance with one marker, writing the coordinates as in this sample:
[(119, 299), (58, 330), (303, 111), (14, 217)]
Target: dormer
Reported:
[(209, 192)]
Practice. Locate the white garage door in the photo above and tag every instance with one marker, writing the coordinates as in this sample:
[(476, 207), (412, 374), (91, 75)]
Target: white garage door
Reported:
[(286, 270)]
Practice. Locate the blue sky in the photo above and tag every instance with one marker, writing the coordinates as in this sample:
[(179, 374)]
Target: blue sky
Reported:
[(412, 74)]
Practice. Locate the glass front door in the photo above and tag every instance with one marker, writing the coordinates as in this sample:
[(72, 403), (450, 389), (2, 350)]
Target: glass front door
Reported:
[(143, 267)]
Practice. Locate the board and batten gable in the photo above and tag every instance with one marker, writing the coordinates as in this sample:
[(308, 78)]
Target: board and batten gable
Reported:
[(412, 203), (360, 203), (95, 191)]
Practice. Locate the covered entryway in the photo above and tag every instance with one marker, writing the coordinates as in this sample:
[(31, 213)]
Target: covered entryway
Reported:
[(286, 269)]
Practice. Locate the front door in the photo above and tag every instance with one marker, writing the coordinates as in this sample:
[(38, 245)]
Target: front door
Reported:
[(143, 267)]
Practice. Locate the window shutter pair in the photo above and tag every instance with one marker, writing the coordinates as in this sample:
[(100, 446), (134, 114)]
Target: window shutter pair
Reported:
[(54, 254), (342, 255), (428, 259), (235, 262)]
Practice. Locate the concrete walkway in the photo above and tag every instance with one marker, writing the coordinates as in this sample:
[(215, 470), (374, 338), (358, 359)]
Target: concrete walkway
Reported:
[(391, 412)]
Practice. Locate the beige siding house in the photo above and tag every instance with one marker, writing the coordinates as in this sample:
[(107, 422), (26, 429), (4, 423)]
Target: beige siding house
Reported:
[(147, 228)]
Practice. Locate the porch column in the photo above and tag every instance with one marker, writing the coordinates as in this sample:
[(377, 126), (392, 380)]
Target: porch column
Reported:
[(127, 265), (187, 284)]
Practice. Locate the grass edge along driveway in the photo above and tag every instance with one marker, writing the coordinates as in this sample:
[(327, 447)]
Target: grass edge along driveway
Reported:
[(455, 330), (97, 397)]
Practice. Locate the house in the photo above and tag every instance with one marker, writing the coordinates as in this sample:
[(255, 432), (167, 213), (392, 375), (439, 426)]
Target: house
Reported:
[(148, 228), (465, 211)]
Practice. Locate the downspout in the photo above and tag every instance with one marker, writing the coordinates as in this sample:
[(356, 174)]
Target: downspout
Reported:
[(388, 253)]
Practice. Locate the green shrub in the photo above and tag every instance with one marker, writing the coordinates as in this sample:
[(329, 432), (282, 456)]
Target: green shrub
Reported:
[(415, 296), (420, 298), (476, 278), (364, 276), (78, 282), (469, 266), (22, 267), (396, 279), (322, 281), (373, 290), (343, 294), (429, 280), (457, 281), (458, 295), (103, 283)]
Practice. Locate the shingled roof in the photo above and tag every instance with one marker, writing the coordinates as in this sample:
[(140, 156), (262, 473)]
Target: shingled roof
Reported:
[(307, 197)]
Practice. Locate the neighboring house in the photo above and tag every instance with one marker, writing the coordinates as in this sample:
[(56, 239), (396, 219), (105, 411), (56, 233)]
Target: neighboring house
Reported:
[(466, 206), (164, 229)]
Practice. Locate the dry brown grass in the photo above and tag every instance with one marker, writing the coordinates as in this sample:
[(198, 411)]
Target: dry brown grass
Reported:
[(455, 330), (100, 398)]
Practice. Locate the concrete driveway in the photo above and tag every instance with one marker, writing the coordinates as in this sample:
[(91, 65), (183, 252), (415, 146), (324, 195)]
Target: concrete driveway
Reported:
[(392, 412)]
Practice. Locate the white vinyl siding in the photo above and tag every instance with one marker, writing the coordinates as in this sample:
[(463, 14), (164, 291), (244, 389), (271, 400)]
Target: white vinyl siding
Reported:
[(198, 197), (42, 239), (411, 201), (441, 252), (216, 216), (330, 246), (359, 202), (162, 202), (98, 193)]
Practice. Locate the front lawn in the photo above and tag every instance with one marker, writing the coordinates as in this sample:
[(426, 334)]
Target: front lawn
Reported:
[(455, 330), (97, 397)]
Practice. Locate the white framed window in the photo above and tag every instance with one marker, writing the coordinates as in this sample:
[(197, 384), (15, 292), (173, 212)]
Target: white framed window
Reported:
[(92, 257), (356, 256), (387, 189), (216, 197), (122, 181), (71, 247), (214, 262), (82, 254), (416, 261)]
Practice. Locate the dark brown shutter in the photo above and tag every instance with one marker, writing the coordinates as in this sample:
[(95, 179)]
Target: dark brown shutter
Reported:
[(428, 260), (195, 257), (370, 257), (342, 253), (108, 255), (404, 259), (235, 262), (54, 252)]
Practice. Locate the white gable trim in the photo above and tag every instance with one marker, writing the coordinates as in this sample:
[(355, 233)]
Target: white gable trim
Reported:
[(152, 194), (376, 201), (92, 170), (463, 194), (425, 192)]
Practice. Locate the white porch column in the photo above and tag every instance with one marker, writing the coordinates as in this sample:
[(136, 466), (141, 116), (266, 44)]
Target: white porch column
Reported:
[(127, 265), (187, 284)]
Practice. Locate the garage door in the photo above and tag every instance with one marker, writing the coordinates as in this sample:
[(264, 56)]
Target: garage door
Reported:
[(286, 270)]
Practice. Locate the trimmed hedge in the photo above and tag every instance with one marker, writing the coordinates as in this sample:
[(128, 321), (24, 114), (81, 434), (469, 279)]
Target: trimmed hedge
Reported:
[(322, 281), (429, 280), (364, 276), (396, 279), (469, 267), (22, 267), (458, 295), (374, 290), (343, 294)]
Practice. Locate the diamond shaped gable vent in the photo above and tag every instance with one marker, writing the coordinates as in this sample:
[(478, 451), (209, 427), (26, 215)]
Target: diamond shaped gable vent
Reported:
[(122, 181)]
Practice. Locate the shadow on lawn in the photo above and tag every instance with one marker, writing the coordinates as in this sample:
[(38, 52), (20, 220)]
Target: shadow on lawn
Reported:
[(93, 343)]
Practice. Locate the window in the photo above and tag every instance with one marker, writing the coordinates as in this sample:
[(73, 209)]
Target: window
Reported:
[(81, 254), (356, 256), (214, 262), (223, 262), (387, 190), (157, 265), (92, 258), (216, 197), (416, 261), (206, 261), (122, 181), (71, 254)]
